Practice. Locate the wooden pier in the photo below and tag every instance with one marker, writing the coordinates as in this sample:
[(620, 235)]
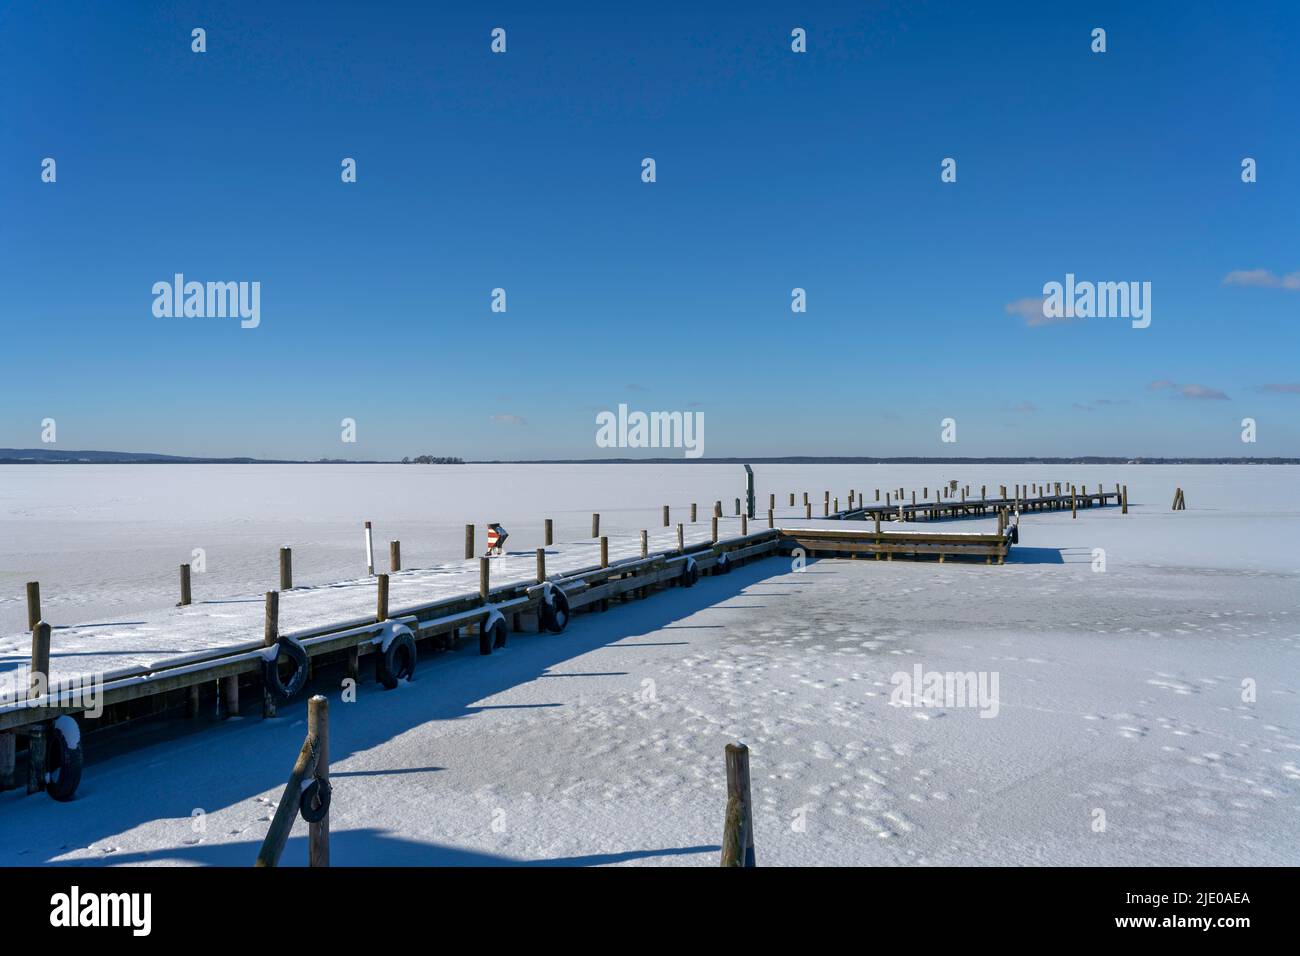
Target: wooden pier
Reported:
[(219, 678)]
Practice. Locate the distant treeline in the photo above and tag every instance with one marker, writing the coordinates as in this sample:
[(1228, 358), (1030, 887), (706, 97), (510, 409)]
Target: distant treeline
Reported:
[(432, 460)]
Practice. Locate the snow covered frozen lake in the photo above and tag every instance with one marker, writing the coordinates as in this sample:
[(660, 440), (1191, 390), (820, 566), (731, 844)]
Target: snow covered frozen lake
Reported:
[(1146, 714)]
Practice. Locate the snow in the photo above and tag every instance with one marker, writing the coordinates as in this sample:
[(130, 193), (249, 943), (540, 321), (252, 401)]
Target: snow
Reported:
[(71, 731), (1123, 695)]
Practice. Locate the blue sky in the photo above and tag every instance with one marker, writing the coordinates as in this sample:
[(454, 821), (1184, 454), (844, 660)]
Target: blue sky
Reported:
[(774, 170)]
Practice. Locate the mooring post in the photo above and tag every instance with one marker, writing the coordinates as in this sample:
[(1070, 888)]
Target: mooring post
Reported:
[(33, 603), (1124, 501), (381, 598), (1074, 502), (595, 525), (230, 695), (286, 569), (737, 507), (738, 836), (36, 758), (717, 509), (547, 532), (692, 512), (483, 582), (715, 529), (877, 516), (792, 499), (604, 552), (645, 543), (318, 726), (665, 516), (771, 517), (469, 541), (744, 525), (394, 556), (39, 677), (185, 586), (807, 509), (270, 637), (541, 565), (681, 537)]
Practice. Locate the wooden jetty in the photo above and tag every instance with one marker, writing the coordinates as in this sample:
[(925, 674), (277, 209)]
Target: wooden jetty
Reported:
[(219, 678)]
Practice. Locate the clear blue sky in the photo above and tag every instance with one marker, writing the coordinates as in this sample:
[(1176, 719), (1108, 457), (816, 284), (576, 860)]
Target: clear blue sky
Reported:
[(523, 171)]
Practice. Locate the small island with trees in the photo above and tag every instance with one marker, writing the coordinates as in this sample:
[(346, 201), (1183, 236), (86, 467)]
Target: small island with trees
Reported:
[(432, 460)]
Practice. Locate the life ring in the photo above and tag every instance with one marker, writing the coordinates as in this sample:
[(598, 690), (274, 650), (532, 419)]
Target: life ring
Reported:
[(492, 636), (690, 573), (294, 653), (63, 758), (396, 662), (314, 802), (554, 610)]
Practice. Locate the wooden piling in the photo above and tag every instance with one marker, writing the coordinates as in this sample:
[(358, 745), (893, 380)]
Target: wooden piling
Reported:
[(286, 569), (744, 525), (807, 507), (230, 695), (33, 604), (771, 517), (1124, 501), (604, 552), (738, 837), (692, 512), (541, 565), (483, 574), (381, 598), (681, 537), (469, 541), (271, 630), (8, 760), (39, 675), (548, 530), (645, 544), (185, 587), (318, 726), (595, 525), (394, 556), (665, 516), (35, 758), (715, 529)]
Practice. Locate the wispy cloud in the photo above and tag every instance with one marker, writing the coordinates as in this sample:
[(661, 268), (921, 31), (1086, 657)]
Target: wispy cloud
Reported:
[(1282, 388), (1100, 403), (507, 419), (634, 387), (1263, 279), (1025, 407), (1189, 391), (1031, 310)]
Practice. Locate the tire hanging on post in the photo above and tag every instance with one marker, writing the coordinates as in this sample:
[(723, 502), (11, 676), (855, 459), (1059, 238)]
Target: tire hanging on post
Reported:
[(554, 610), (396, 662), (292, 651), (63, 758)]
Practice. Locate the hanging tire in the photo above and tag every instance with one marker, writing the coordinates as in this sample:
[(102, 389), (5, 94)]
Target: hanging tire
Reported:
[(281, 686), (690, 573), (63, 758), (724, 564), (397, 661), (492, 637), (315, 800), (555, 612)]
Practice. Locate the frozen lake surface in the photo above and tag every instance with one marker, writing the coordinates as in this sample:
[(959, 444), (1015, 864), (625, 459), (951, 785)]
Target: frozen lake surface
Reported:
[(1123, 731)]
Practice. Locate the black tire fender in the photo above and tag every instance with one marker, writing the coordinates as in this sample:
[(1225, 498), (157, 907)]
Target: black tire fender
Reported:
[(492, 633), (396, 662), (63, 759), (690, 573), (314, 802), (294, 652), (723, 565), (554, 610)]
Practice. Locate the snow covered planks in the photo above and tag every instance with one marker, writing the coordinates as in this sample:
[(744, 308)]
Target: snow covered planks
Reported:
[(823, 541)]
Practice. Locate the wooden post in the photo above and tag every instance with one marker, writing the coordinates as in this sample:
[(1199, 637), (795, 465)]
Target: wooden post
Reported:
[(715, 529), (35, 758), (8, 760), (836, 509), (877, 494), (877, 516), (33, 604), (39, 677), (287, 809), (737, 506), (665, 516), (1074, 503), (604, 552), (185, 586), (541, 565), (771, 501), (483, 582), (645, 543), (771, 517), (381, 602), (270, 637), (1124, 501), (807, 508), (548, 529), (286, 569), (394, 556), (738, 796), (744, 524), (692, 512), (681, 537), (318, 726), (469, 541), (717, 509), (230, 695), (595, 525), (792, 499)]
